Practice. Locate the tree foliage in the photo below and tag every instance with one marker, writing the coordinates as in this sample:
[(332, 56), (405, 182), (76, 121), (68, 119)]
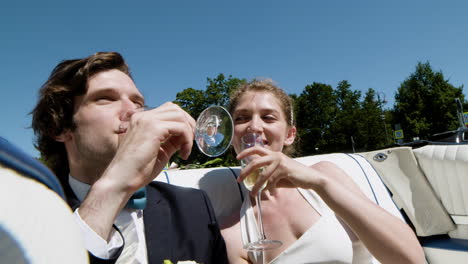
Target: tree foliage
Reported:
[(345, 128), (336, 120), (425, 103), (194, 102), (340, 119), (374, 129), (191, 100), (315, 112)]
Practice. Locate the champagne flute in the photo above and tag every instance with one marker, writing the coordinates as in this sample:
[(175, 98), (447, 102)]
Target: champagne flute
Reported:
[(213, 131), (247, 141)]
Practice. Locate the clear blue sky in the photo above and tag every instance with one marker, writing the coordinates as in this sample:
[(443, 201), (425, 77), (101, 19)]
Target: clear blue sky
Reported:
[(173, 45)]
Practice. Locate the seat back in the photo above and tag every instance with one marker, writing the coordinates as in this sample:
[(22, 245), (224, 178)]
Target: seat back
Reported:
[(446, 169), (36, 225), (227, 195), (412, 192), (13, 157), (220, 184)]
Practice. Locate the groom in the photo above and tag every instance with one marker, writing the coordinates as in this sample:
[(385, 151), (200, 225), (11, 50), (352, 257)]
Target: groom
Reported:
[(90, 131)]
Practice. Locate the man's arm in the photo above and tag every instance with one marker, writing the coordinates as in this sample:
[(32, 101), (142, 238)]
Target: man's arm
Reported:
[(99, 250), (151, 139)]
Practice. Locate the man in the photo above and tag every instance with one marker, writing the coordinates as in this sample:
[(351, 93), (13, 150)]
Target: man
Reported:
[(92, 133)]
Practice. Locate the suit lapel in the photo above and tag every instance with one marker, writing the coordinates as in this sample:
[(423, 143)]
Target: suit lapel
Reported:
[(157, 220)]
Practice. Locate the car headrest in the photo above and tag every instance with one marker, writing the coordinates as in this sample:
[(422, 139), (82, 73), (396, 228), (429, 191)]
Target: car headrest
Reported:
[(14, 158)]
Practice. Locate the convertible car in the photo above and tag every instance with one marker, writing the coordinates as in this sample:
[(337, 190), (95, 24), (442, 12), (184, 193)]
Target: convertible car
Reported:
[(425, 183)]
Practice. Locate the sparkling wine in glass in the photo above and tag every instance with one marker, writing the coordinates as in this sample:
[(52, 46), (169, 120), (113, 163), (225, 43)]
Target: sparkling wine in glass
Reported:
[(247, 141)]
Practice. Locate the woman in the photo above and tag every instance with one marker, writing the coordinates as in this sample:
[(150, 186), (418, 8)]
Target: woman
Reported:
[(318, 212)]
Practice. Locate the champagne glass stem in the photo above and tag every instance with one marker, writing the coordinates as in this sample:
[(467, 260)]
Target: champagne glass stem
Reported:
[(260, 221), (250, 140)]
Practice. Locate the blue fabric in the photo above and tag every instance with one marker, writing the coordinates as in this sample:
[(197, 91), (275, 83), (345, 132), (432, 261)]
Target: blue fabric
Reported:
[(167, 177), (14, 158), (138, 199), (446, 243)]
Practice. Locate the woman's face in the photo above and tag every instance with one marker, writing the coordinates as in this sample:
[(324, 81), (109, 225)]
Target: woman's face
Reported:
[(261, 112)]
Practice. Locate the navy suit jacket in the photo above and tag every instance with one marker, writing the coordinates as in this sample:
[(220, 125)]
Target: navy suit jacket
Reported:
[(180, 224)]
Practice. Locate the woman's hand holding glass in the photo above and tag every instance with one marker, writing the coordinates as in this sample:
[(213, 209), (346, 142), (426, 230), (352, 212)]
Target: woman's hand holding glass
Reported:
[(277, 170), (249, 141)]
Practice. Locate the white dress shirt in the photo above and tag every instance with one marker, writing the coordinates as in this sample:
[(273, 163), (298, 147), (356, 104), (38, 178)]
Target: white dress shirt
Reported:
[(128, 221)]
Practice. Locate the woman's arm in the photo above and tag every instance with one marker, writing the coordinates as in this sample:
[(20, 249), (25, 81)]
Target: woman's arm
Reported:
[(388, 238), (235, 251)]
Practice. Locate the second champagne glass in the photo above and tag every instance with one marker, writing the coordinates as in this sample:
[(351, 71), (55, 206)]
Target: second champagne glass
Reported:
[(247, 141), (213, 131)]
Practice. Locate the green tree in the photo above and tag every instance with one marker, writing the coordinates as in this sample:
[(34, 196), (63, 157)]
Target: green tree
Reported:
[(425, 103), (194, 102), (191, 100), (372, 125), (315, 112), (219, 89), (346, 122), (217, 92)]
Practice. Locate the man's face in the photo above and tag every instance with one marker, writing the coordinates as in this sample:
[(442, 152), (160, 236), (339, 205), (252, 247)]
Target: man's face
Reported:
[(98, 116)]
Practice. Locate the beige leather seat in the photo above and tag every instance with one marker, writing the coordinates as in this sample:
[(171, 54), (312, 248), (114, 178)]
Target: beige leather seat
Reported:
[(39, 221), (430, 184), (36, 225), (446, 169)]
